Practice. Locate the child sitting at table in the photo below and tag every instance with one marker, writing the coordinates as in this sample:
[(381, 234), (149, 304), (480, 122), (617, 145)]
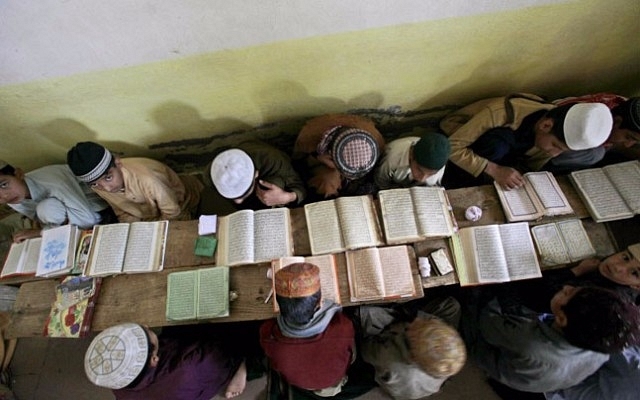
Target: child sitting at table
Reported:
[(138, 189), (311, 343), (183, 363)]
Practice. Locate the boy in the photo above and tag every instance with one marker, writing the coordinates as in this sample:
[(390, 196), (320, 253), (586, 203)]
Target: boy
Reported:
[(183, 363), (341, 150), (311, 343), (49, 196), (494, 136), (414, 160), (138, 189), (253, 175), (413, 359), (535, 352)]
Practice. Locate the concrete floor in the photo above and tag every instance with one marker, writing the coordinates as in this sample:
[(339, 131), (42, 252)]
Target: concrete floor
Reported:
[(52, 369)]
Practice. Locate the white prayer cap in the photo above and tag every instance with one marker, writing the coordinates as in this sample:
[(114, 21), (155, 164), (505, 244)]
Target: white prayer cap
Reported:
[(232, 173), (117, 355), (587, 125), (634, 249)]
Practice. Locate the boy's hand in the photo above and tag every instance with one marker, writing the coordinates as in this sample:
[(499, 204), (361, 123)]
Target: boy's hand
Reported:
[(26, 234), (271, 195), (585, 266), (507, 177)]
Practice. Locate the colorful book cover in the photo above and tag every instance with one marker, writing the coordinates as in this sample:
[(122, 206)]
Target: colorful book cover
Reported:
[(72, 311)]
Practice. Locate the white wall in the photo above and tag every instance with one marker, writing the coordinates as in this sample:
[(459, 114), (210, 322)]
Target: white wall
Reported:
[(42, 39)]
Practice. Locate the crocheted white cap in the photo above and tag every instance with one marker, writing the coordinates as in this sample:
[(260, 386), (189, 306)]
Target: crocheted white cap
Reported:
[(232, 173), (587, 125)]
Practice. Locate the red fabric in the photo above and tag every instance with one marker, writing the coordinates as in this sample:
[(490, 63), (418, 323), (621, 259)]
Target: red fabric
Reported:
[(608, 99), (312, 363)]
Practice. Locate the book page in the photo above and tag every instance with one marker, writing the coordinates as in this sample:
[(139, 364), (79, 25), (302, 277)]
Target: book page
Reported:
[(576, 239), (181, 295), (398, 218), (108, 245), (328, 276), (55, 255), (396, 271), (522, 261), (550, 245), (15, 259), (364, 274), (31, 256), (483, 245), (626, 178), (143, 246), (213, 292), (324, 227), (358, 222), (272, 234), (519, 204), (600, 196), (431, 209), (548, 191), (236, 238)]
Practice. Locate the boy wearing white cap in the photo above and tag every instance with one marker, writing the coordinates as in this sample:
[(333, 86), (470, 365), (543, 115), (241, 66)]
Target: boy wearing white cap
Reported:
[(254, 175), (183, 363), (49, 196), (138, 189), (494, 135)]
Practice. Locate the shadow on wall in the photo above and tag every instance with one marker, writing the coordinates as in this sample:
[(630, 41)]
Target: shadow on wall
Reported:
[(64, 133)]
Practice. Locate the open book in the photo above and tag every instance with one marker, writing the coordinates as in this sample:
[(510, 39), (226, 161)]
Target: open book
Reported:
[(198, 294), (127, 248), (329, 286), (415, 213), (562, 242), (342, 224), (540, 196), (495, 253), (380, 273), (248, 236), (610, 193), (57, 251), (22, 258)]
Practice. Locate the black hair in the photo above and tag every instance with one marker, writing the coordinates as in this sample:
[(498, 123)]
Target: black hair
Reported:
[(558, 115), (629, 112), (601, 320), (8, 170), (298, 310)]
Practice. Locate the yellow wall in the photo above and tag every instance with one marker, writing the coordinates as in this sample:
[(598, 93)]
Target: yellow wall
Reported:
[(564, 49)]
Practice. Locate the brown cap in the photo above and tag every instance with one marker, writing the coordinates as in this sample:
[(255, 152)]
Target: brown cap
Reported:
[(297, 280), (436, 347)]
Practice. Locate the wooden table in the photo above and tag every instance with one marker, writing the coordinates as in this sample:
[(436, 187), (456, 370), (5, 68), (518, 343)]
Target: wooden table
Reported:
[(141, 298)]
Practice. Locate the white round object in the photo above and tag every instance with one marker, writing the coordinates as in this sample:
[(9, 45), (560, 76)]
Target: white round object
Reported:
[(424, 266), (473, 213)]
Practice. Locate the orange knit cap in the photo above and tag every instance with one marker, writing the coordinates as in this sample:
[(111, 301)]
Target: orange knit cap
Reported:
[(298, 280)]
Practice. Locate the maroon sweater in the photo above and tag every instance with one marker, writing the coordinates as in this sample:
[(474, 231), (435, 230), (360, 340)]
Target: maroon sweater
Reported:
[(311, 363)]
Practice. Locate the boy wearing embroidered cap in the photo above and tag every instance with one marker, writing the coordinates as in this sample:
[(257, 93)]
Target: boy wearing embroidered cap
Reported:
[(138, 189), (414, 160), (49, 196), (311, 343), (183, 363), (253, 175), (339, 149), (493, 136)]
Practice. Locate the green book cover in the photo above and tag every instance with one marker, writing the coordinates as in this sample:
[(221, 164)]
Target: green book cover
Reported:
[(198, 294), (206, 246)]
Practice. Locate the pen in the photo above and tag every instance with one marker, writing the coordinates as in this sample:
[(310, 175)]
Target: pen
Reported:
[(268, 296)]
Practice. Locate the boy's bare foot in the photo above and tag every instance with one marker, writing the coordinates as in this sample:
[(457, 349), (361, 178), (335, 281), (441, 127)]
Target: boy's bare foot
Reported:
[(238, 382)]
